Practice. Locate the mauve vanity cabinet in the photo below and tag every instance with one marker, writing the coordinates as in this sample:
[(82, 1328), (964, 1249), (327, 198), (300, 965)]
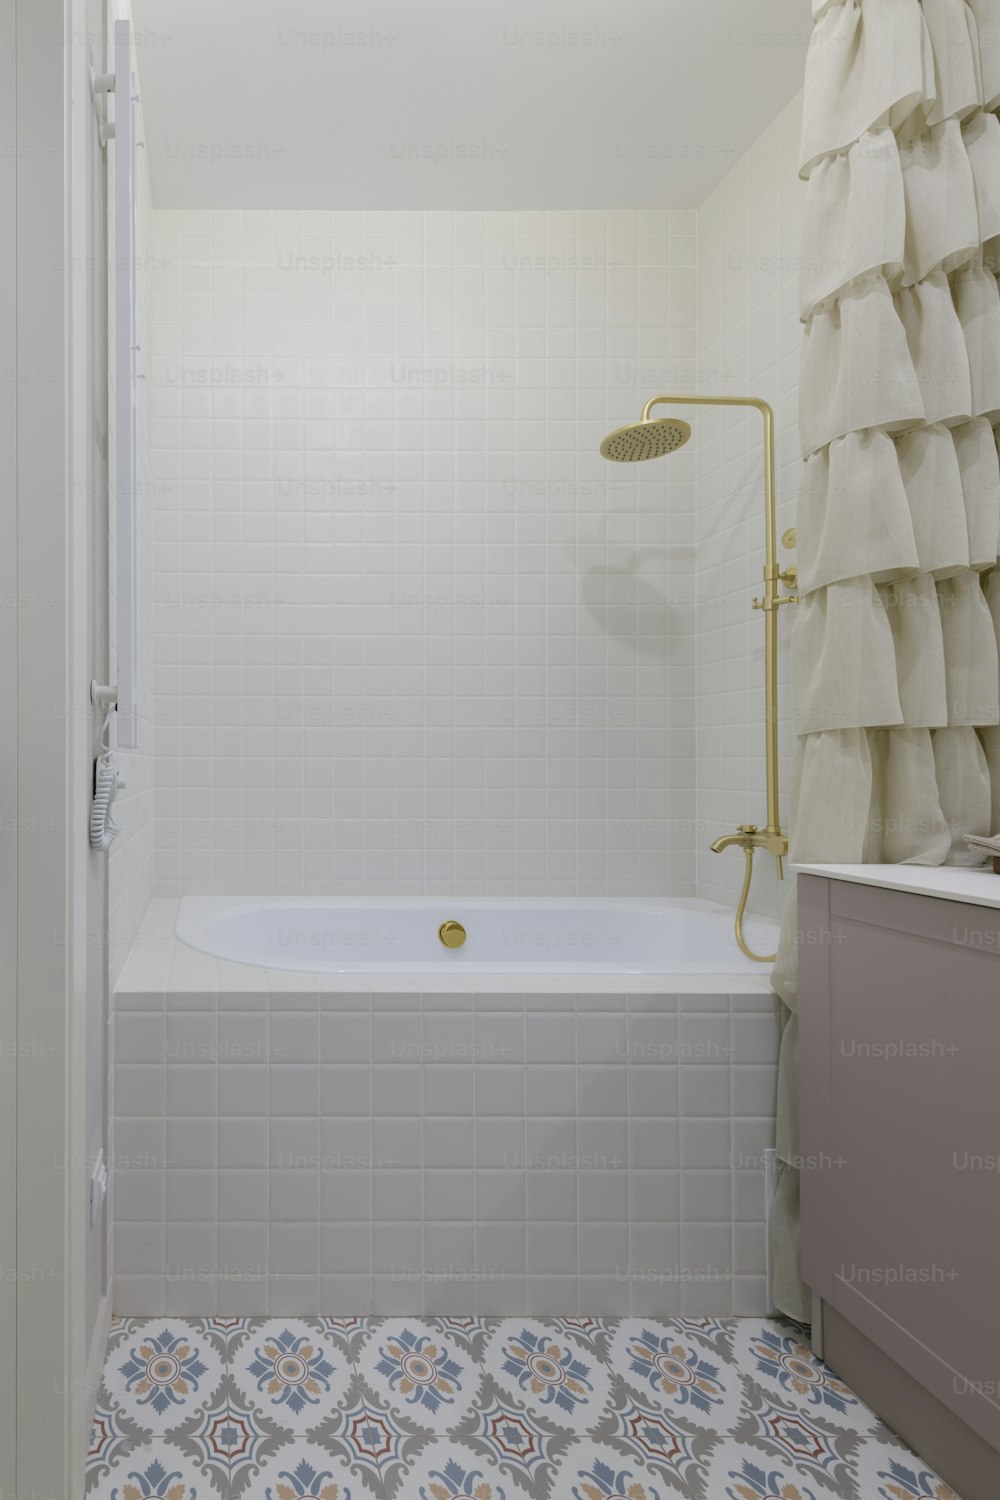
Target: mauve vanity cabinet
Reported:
[(899, 1050)]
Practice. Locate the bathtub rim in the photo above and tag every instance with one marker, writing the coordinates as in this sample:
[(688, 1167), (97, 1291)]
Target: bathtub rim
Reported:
[(201, 907)]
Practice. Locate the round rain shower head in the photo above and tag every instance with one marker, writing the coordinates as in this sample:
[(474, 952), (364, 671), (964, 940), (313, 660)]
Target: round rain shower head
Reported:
[(642, 440)]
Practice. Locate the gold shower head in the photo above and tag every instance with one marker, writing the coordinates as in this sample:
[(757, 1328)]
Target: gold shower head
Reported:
[(651, 438)]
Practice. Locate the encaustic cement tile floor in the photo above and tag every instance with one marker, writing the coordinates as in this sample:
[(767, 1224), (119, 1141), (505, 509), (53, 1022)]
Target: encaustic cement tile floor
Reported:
[(485, 1409)]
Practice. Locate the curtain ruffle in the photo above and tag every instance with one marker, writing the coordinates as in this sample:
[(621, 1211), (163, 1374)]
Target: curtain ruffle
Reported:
[(970, 651), (932, 478), (988, 40), (910, 653), (991, 593), (928, 502), (869, 65), (900, 64), (855, 220), (854, 514), (901, 212), (843, 660), (958, 83), (936, 342), (981, 135), (942, 215), (914, 616), (930, 354), (963, 782), (990, 741), (977, 302), (856, 368), (906, 824), (976, 451), (832, 792)]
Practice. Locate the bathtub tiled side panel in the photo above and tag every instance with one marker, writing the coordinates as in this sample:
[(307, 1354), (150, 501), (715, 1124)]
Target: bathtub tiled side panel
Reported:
[(293, 1152)]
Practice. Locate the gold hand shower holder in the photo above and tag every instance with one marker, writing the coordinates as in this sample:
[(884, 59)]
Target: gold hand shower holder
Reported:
[(651, 438)]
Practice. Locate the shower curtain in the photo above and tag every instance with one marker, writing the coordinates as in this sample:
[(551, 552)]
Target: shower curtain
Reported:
[(894, 653)]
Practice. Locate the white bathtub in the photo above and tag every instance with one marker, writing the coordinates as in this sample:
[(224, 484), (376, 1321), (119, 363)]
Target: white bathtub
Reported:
[(506, 935)]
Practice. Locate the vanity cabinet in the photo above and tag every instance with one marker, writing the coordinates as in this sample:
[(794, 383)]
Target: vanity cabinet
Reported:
[(899, 1049)]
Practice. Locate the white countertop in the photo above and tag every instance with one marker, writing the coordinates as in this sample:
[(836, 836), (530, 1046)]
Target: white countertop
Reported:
[(979, 886)]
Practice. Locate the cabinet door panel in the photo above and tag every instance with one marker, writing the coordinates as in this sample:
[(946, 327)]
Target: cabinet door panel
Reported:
[(910, 1198)]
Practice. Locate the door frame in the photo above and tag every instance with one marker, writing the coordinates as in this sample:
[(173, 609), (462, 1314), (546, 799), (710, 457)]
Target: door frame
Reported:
[(8, 750), (52, 755)]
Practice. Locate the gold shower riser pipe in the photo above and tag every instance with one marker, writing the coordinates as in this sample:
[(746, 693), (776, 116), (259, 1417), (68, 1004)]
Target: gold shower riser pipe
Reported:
[(772, 600), (653, 438)]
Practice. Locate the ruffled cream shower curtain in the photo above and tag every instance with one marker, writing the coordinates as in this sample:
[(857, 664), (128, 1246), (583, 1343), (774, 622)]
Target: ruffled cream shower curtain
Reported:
[(895, 646)]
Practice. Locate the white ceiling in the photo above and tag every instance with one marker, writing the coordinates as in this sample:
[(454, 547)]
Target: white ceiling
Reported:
[(458, 104)]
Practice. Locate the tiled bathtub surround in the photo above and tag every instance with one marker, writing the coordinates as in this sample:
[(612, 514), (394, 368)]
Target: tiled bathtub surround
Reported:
[(291, 1143), (485, 1409), (412, 633)]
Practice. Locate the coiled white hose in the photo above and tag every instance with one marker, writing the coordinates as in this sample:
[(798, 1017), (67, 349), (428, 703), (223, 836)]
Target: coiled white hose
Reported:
[(103, 828)]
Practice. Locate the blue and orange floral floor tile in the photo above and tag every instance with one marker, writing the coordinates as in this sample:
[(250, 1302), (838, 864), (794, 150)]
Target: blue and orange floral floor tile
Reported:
[(485, 1409)]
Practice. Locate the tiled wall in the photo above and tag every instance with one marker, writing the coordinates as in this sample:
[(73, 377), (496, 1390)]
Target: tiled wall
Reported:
[(281, 1149), (411, 632), (749, 343)]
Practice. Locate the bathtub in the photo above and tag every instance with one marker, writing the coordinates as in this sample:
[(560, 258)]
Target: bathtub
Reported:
[(504, 935), (534, 1122)]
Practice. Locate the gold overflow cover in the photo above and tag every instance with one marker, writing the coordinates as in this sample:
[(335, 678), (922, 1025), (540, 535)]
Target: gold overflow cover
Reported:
[(452, 934)]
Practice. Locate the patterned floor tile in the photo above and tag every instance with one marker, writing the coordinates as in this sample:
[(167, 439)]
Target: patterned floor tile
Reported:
[(736, 1474), (415, 1366), (113, 1437), (292, 1369), (451, 1408), (157, 1471), (524, 1445), (376, 1443), (786, 1434), (304, 1471), (550, 1372), (776, 1359), (680, 1371), (885, 1470), (671, 1447), (225, 1333), (591, 1471), (229, 1441), (719, 1332), (162, 1370), (446, 1470), (594, 1334), (471, 1334), (349, 1333), (119, 1330)]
